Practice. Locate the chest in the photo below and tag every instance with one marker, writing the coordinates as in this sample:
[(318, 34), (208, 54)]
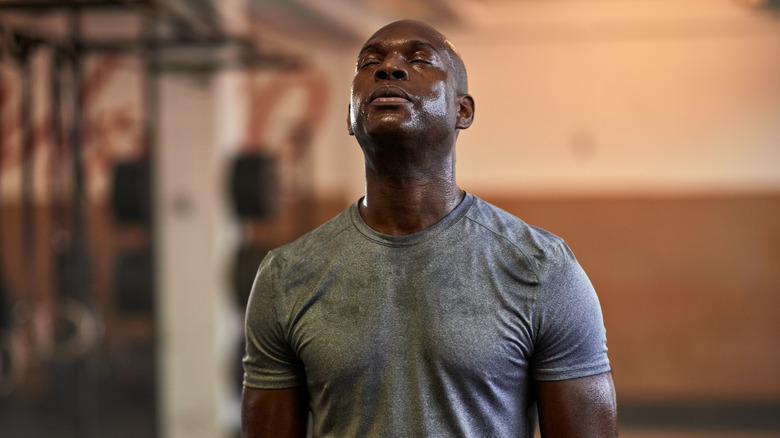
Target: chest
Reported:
[(410, 321)]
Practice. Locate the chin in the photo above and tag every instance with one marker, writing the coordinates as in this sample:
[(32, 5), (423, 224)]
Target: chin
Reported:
[(392, 131)]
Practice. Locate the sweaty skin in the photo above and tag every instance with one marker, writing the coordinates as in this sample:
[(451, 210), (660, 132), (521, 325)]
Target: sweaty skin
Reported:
[(409, 143), (408, 102)]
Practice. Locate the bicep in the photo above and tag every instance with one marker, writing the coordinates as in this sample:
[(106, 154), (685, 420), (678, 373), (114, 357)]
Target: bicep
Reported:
[(585, 406), (274, 412)]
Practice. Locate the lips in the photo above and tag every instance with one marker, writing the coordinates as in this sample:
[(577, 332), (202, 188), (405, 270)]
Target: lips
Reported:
[(389, 94)]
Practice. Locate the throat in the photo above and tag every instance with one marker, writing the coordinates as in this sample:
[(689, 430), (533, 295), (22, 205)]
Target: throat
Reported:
[(404, 212)]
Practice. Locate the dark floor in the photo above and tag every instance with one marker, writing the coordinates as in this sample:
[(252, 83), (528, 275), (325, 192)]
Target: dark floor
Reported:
[(93, 398), (675, 419)]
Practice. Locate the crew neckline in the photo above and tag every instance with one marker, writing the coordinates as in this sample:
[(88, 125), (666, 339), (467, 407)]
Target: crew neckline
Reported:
[(415, 238)]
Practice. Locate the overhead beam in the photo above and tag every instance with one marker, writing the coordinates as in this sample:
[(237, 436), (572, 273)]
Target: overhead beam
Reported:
[(22, 5)]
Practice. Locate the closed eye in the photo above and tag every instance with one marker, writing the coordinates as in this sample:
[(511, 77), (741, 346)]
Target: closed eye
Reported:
[(368, 62), (422, 56), (421, 62)]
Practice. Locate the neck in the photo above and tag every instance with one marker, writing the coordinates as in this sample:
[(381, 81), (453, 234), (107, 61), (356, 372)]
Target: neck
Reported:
[(405, 203)]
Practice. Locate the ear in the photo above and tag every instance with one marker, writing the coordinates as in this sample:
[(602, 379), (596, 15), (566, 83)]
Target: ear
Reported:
[(465, 111), (349, 120)]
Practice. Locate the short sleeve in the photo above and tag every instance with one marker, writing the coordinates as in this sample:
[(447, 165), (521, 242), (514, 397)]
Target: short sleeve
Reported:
[(269, 361), (570, 339)]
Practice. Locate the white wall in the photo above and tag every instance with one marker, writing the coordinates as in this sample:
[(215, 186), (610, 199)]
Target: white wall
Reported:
[(636, 96)]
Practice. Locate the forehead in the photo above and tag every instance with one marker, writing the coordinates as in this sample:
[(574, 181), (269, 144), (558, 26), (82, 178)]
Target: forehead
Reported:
[(406, 34)]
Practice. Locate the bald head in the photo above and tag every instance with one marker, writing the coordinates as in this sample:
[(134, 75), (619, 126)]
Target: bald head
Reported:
[(441, 43)]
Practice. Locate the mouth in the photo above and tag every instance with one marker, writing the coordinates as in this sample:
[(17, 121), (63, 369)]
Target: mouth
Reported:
[(389, 94)]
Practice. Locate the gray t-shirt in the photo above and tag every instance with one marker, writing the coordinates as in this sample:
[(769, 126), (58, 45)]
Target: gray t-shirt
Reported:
[(434, 334)]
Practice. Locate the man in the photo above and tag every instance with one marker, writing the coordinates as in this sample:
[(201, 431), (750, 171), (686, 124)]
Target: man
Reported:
[(422, 311)]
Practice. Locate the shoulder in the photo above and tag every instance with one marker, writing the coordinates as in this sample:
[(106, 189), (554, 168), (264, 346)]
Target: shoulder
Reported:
[(311, 244), (538, 245)]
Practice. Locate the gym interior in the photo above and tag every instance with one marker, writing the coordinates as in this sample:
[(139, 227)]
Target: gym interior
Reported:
[(153, 151)]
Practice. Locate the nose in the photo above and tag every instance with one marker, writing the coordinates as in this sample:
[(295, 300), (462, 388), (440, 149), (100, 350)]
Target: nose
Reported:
[(392, 68)]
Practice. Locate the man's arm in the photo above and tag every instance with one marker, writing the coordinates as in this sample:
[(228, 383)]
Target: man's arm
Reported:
[(272, 413), (583, 407)]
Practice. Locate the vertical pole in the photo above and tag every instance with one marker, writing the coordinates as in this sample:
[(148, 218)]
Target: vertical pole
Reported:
[(189, 287), (26, 122), (84, 369), (151, 118), (5, 307)]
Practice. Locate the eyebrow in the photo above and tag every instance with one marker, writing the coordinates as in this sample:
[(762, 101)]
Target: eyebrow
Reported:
[(414, 44)]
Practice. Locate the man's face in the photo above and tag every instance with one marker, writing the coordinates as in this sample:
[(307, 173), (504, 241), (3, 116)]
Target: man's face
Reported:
[(403, 83)]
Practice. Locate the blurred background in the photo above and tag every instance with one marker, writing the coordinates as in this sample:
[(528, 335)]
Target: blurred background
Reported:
[(151, 152)]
